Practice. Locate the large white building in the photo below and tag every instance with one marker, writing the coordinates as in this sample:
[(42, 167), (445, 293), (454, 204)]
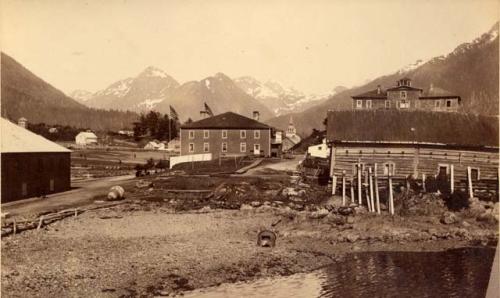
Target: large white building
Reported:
[(86, 138)]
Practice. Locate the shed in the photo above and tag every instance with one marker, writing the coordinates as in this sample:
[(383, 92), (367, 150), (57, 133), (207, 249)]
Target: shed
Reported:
[(86, 138), (31, 165)]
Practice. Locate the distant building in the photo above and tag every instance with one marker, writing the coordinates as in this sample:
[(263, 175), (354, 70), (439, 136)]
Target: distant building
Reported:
[(319, 150), (86, 138), (23, 122), (174, 145), (53, 130), (129, 133), (31, 165), (152, 145), (291, 137), (406, 97), (226, 134)]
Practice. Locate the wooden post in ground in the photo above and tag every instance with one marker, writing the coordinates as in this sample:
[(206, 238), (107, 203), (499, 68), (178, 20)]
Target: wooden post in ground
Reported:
[(452, 179), (377, 198), (40, 223), (343, 188), (469, 182), (370, 182), (358, 166), (14, 227), (334, 185), (423, 182), (352, 191), (367, 191), (391, 197)]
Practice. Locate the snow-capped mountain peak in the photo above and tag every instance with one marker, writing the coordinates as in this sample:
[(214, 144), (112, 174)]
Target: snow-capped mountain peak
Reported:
[(152, 71), (81, 95)]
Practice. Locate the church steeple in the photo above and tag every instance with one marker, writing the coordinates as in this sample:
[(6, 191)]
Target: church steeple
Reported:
[(291, 130)]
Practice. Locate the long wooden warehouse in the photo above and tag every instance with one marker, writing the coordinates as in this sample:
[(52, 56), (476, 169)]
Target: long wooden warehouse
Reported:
[(31, 165), (414, 144)]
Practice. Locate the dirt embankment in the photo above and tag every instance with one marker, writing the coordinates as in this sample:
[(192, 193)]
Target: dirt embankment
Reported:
[(163, 242)]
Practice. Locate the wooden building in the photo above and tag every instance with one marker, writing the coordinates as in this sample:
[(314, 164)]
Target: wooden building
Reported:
[(414, 144), (31, 165), (226, 134), (406, 97)]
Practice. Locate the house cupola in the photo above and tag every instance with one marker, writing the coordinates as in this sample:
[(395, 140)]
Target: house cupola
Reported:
[(404, 82)]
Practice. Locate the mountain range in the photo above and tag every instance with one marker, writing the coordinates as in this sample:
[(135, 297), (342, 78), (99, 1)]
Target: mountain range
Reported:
[(154, 89), (471, 71)]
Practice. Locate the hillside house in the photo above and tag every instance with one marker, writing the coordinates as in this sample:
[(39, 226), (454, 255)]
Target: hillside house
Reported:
[(319, 150), (226, 134), (86, 138), (416, 144), (31, 165), (406, 97)]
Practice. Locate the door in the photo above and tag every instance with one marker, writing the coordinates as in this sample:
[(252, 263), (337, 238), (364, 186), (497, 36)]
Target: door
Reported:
[(256, 149)]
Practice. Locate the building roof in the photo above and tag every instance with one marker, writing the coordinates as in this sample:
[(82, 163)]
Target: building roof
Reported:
[(15, 139), (392, 126), (404, 88), (228, 120), (86, 134), (436, 92), (373, 94)]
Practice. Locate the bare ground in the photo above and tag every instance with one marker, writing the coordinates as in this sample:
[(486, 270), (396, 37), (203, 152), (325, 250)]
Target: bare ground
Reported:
[(135, 250)]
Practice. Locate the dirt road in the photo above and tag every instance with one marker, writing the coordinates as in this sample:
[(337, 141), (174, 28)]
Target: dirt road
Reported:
[(83, 194), (283, 165)]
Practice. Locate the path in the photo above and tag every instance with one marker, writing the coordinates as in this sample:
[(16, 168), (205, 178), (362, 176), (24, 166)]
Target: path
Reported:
[(283, 165), (83, 194)]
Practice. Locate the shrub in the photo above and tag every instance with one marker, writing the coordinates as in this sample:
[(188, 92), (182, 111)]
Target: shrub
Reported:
[(457, 201), (440, 183)]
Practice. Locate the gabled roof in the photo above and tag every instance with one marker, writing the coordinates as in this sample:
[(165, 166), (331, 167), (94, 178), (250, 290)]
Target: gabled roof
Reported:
[(16, 139), (87, 134), (392, 126), (404, 88), (227, 120), (373, 94)]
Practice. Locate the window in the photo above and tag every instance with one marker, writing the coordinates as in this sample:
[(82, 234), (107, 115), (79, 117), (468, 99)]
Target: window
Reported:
[(191, 147), (443, 170), (355, 168), (359, 104), (256, 134), (206, 147), (191, 134), (403, 94), (24, 189), (404, 104), (224, 147), (387, 104), (224, 134), (243, 147), (319, 148), (474, 173), (437, 103), (206, 134), (448, 103), (243, 134), (368, 103), (389, 168)]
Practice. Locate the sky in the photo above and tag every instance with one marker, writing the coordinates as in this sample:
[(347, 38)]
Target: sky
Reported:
[(312, 46)]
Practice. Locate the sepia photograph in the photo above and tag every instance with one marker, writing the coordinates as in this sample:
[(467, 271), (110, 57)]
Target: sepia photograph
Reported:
[(230, 148)]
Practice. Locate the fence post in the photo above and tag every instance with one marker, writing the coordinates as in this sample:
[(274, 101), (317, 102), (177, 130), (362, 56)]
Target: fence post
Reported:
[(370, 181), (334, 184), (353, 199), (423, 182), (377, 198), (343, 188), (358, 166), (469, 182), (452, 179), (391, 198)]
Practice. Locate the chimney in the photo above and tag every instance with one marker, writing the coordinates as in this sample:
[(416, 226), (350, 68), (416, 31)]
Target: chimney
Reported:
[(23, 122), (203, 114), (431, 88), (256, 115), (379, 90)]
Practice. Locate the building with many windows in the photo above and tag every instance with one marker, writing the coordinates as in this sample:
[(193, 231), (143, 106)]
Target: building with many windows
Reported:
[(406, 97), (226, 134)]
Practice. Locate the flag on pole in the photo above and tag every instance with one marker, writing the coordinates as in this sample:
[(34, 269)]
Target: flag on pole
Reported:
[(173, 114), (208, 110)]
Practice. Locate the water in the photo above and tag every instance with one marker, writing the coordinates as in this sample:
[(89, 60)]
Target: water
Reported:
[(452, 273)]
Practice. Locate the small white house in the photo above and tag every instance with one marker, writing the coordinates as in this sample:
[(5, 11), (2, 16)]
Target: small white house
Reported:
[(320, 150), (174, 145), (152, 145), (86, 138)]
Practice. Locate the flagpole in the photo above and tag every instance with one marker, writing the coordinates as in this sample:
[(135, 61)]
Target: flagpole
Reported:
[(169, 130)]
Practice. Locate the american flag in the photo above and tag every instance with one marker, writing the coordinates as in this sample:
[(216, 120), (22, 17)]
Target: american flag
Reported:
[(208, 110)]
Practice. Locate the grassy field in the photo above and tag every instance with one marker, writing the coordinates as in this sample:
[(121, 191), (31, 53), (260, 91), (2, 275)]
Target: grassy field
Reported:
[(134, 156)]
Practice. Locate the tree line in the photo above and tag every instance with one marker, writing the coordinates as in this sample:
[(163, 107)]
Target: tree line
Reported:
[(156, 125)]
